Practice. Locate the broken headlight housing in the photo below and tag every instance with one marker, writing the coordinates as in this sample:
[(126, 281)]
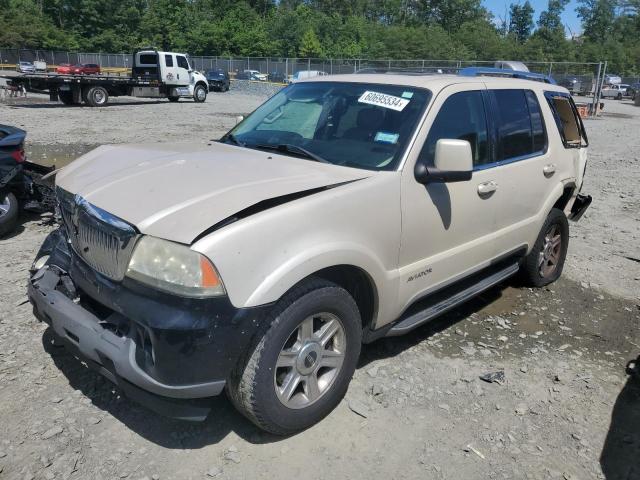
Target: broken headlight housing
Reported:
[(174, 268)]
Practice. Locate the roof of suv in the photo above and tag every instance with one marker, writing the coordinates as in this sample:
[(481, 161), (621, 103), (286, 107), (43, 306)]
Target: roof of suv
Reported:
[(435, 82)]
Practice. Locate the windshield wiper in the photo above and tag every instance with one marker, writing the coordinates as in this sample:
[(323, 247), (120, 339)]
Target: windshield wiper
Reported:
[(234, 140), (290, 148)]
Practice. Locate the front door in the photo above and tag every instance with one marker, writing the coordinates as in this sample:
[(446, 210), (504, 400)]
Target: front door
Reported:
[(447, 227), (183, 70)]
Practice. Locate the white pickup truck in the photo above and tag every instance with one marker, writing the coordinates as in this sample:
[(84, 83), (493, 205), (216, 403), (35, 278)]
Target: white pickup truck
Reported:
[(154, 74), (616, 91)]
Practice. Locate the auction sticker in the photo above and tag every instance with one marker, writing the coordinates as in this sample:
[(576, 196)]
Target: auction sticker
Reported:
[(384, 100)]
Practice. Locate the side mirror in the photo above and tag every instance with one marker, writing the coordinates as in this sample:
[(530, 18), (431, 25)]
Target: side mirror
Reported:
[(239, 118), (453, 163)]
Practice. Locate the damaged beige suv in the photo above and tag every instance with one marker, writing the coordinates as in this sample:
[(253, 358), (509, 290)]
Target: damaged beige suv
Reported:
[(343, 209)]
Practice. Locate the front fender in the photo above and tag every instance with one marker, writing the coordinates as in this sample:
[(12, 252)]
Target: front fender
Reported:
[(308, 262)]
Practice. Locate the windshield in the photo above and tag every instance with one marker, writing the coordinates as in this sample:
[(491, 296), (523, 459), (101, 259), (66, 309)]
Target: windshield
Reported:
[(353, 124)]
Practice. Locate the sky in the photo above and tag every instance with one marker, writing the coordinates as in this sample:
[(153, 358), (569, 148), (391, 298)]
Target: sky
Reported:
[(569, 16)]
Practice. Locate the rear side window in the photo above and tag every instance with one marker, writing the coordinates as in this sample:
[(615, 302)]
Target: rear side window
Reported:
[(168, 60), (148, 59), (519, 124), (567, 119), (462, 117), (537, 123)]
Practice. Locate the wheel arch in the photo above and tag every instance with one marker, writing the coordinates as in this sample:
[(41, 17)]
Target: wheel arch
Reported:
[(358, 283)]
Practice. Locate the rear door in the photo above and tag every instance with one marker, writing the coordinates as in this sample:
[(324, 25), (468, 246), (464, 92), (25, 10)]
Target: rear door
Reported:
[(523, 169)]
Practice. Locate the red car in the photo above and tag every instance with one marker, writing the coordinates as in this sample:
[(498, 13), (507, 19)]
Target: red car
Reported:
[(79, 69)]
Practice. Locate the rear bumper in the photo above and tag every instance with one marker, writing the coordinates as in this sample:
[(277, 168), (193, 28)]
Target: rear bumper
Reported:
[(169, 353)]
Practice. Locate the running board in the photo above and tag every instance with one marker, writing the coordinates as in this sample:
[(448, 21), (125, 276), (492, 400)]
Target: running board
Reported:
[(423, 316)]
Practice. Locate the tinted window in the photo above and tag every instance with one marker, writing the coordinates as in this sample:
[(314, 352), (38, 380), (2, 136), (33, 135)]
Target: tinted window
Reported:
[(148, 59), (567, 120), (168, 60), (515, 138), (537, 123), (461, 117), (182, 62)]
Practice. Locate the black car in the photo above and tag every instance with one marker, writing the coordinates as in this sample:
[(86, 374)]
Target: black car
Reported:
[(218, 80), (277, 77), (633, 89), (21, 182)]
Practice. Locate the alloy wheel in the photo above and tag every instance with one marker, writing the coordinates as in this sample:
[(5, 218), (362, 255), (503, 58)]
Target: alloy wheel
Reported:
[(310, 360), (549, 256), (5, 205)]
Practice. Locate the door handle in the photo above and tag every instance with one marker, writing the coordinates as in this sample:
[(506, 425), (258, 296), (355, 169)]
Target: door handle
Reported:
[(549, 169), (487, 188)]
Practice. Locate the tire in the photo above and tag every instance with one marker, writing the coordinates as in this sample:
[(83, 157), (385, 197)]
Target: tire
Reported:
[(199, 94), (97, 97), (66, 97), (544, 264), (258, 387), (173, 99), (9, 209), (619, 97)]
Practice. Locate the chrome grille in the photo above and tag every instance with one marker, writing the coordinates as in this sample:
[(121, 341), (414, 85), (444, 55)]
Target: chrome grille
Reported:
[(102, 240)]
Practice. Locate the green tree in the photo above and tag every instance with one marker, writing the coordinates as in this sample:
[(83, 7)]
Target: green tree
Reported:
[(310, 45), (521, 21), (597, 18)]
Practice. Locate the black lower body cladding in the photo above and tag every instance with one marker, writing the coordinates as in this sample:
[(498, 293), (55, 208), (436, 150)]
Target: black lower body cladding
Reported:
[(161, 349)]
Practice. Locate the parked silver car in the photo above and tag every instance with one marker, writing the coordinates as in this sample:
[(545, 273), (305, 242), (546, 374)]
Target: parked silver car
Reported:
[(25, 67)]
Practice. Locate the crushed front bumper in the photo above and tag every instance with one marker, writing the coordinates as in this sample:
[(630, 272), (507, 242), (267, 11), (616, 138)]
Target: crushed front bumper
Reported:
[(169, 353)]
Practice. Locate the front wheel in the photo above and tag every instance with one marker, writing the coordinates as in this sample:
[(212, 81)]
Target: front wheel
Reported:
[(619, 97), (9, 209), (199, 94), (544, 264), (301, 366)]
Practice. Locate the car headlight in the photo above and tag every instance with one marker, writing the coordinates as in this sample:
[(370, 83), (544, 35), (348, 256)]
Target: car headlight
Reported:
[(174, 268)]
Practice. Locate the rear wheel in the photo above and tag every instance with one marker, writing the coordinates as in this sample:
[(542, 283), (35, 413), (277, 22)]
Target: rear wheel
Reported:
[(544, 264), (619, 97), (9, 209), (301, 366), (97, 97)]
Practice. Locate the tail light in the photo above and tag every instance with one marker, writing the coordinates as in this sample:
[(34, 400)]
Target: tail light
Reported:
[(19, 155)]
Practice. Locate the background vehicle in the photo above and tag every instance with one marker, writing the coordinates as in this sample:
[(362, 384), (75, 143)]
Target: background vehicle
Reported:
[(617, 91), (25, 67), (20, 181), (218, 80), (155, 74), (632, 90), (304, 74), (251, 75), (41, 66), (277, 77), (79, 69)]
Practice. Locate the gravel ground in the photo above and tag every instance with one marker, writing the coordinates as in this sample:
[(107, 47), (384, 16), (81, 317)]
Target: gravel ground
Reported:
[(416, 408)]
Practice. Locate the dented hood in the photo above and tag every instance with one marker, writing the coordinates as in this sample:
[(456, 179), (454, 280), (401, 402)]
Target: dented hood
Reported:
[(178, 191)]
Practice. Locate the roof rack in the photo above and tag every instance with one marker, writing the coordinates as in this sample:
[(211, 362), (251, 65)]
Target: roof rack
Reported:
[(501, 72), (408, 70)]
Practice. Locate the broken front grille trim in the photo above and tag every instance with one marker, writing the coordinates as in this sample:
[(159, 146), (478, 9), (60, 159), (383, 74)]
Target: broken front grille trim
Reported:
[(104, 241)]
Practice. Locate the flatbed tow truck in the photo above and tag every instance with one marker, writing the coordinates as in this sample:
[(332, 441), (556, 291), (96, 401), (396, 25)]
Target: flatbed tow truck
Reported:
[(154, 74)]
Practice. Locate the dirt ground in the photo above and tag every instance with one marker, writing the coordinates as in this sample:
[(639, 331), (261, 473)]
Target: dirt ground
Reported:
[(416, 408)]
